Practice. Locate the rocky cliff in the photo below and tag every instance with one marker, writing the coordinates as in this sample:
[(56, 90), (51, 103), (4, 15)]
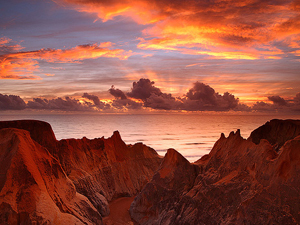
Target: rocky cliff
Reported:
[(238, 182), (34, 188), (45, 181), (76, 177), (277, 132)]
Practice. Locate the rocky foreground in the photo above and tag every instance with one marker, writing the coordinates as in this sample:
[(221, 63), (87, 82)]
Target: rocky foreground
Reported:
[(45, 181)]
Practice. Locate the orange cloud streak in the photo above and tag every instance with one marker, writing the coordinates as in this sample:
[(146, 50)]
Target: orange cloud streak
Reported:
[(21, 65), (235, 27)]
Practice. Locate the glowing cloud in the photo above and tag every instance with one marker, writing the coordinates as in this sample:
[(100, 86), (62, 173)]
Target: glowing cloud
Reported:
[(22, 65), (221, 28)]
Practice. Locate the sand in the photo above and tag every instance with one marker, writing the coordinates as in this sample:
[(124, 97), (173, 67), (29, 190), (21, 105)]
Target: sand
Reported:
[(119, 212)]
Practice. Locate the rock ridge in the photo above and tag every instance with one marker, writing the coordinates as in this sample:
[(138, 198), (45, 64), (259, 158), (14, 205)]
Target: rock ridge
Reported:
[(238, 182), (96, 171)]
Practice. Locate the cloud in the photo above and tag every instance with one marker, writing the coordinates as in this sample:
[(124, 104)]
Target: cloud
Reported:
[(228, 29), (8, 46), (279, 104), (143, 89), (163, 101), (278, 100), (99, 104), (200, 97), (11, 102), (67, 104), (125, 104), (121, 101), (117, 93), (21, 65)]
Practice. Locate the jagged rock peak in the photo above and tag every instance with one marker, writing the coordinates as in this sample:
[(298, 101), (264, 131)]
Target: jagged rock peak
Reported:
[(116, 134), (174, 158)]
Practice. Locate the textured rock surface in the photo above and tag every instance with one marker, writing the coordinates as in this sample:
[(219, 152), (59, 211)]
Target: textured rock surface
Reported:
[(277, 132), (106, 169), (100, 169), (40, 131), (34, 187), (239, 182)]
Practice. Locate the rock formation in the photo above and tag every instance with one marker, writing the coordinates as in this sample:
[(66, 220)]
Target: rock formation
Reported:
[(277, 132), (238, 182), (34, 188), (76, 177), (40, 131), (105, 169), (71, 181)]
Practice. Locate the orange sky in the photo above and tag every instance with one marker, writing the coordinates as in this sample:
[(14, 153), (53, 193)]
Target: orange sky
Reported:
[(64, 48)]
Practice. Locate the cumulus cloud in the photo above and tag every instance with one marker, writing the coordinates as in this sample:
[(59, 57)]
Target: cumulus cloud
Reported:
[(22, 64), (203, 97), (278, 100), (117, 93), (222, 29), (99, 104), (200, 97), (143, 89), (279, 104), (163, 101), (11, 102)]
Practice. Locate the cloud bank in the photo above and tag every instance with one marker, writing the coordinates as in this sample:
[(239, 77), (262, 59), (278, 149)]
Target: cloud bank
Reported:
[(144, 95)]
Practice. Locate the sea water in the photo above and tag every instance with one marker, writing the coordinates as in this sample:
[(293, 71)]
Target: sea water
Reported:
[(193, 135)]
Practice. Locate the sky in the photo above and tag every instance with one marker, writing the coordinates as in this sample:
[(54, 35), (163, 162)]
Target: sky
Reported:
[(129, 55)]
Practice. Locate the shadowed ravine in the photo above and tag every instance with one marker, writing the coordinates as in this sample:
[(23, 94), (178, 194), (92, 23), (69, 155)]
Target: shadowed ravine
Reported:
[(82, 181)]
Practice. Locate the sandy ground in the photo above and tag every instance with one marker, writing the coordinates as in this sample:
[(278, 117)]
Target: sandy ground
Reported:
[(119, 212)]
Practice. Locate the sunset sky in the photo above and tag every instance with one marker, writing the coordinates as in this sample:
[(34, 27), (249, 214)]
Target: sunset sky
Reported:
[(182, 55)]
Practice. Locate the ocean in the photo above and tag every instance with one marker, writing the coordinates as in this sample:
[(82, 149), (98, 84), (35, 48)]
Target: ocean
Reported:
[(193, 135)]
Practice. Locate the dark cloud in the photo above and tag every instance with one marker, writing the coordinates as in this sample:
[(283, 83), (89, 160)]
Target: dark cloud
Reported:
[(117, 93), (143, 89), (67, 104), (297, 99), (202, 97), (163, 101), (279, 104), (99, 104), (11, 102), (278, 100), (263, 107), (126, 104), (94, 98)]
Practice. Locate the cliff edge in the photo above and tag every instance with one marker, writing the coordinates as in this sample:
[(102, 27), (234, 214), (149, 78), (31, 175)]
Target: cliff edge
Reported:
[(238, 182)]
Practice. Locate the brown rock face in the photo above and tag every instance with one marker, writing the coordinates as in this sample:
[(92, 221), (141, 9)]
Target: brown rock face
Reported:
[(174, 177), (239, 182), (34, 187), (95, 171), (277, 132), (105, 169), (40, 131)]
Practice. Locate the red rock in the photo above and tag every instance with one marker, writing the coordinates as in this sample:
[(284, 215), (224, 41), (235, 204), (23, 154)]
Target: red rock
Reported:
[(238, 182), (106, 169), (34, 187), (101, 169), (40, 131), (277, 132)]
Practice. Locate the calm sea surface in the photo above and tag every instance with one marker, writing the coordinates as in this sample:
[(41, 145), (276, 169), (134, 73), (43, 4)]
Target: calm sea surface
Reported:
[(193, 135)]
